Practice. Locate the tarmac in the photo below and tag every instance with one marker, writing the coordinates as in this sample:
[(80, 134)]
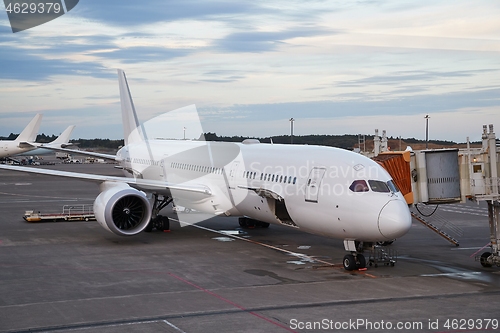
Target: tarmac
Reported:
[(216, 277)]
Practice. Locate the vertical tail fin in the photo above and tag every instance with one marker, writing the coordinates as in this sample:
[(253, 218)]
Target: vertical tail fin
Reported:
[(131, 129), (64, 137), (30, 132)]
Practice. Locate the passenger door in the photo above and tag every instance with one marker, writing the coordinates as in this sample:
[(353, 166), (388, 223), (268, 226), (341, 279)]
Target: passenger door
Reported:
[(313, 184)]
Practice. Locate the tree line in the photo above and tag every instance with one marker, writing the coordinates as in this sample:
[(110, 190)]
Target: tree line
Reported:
[(346, 141)]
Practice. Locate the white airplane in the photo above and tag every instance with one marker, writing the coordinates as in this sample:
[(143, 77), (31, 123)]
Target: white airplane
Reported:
[(321, 190), (62, 141), (25, 142)]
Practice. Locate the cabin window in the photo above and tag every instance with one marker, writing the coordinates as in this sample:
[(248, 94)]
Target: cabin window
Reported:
[(359, 186), (379, 186), (294, 180)]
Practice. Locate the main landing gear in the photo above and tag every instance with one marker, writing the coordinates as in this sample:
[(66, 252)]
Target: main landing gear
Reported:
[(159, 222), (354, 260), (248, 223)]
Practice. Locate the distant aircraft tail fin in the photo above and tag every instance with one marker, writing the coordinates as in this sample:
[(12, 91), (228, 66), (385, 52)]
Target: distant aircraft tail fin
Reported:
[(131, 129), (63, 139), (30, 132)]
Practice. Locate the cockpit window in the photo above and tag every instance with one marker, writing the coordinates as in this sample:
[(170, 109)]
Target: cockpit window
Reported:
[(393, 186), (379, 186), (359, 186)]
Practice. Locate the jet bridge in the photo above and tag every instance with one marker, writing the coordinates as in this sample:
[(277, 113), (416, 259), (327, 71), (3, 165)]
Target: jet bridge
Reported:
[(444, 176)]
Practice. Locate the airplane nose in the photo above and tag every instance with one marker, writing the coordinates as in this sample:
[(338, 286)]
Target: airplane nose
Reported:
[(394, 219)]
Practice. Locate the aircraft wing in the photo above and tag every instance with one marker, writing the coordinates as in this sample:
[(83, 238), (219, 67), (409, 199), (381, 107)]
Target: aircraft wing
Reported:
[(80, 152), (140, 184)]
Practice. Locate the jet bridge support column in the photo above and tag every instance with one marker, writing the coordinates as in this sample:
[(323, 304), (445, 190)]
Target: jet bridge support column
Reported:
[(489, 259)]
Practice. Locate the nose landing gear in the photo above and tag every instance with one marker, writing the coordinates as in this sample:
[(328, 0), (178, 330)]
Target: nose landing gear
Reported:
[(354, 261)]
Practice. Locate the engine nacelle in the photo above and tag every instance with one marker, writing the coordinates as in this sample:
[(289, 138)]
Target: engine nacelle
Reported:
[(122, 209)]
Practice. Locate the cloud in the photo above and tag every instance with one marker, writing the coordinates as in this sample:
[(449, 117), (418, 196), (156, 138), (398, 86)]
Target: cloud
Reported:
[(132, 13), (412, 77), (21, 64), (263, 41), (360, 107), (144, 54)]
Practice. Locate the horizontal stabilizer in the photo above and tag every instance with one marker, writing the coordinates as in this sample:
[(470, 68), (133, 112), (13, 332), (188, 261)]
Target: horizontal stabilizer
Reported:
[(25, 145)]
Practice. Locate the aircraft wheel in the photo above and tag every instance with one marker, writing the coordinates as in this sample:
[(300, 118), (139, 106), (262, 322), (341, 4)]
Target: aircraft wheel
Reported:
[(362, 261), (165, 222), (158, 223), (247, 223), (349, 262), (243, 222), (149, 227), (483, 261)]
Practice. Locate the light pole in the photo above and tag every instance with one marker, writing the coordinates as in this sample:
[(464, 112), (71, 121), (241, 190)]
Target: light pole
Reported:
[(426, 131), (291, 130), (184, 128)]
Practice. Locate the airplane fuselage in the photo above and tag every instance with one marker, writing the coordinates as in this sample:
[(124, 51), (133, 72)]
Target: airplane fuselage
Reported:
[(311, 188), (10, 148)]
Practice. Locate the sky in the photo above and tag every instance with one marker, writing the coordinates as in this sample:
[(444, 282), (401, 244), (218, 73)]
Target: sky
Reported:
[(336, 67)]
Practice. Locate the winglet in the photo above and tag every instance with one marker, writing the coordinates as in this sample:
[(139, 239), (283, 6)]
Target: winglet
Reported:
[(63, 139), (30, 132), (131, 129)]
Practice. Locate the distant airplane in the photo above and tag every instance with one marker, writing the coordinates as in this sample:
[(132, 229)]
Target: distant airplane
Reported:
[(62, 141), (321, 190), (25, 142)]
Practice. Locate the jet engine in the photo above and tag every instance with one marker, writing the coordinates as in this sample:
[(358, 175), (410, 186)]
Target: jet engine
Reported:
[(122, 209)]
